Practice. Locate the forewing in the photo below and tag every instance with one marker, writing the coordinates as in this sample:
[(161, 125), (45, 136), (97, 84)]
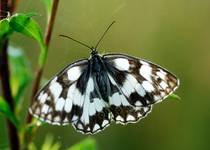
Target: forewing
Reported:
[(142, 82), (59, 101)]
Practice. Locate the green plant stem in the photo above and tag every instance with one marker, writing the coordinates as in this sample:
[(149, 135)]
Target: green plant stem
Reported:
[(5, 80), (48, 33)]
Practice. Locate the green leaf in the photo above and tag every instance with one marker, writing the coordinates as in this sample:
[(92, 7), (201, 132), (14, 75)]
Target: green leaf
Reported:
[(6, 110), (24, 24), (87, 144), (32, 146), (5, 28), (48, 5), (21, 73), (49, 144), (31, 127), (174, 96)]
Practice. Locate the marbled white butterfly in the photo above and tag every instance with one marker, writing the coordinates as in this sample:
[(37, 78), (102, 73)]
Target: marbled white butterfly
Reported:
[(90, 93)]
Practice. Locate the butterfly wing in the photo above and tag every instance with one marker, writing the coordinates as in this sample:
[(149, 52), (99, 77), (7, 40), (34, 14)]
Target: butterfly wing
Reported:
[(142, 82), (71, 97), (95, 115), (122, 111), (59, 101)]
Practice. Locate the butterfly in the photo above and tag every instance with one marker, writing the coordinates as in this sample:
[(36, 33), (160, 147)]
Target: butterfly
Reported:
[(91, 93)]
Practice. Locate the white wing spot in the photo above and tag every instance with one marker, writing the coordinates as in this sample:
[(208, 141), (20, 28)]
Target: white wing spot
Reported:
[(85, 114), (130, 118), (66, 120), (127, 88), (55, 88), (77, 98), (74, 73), (144, 63), (148, 86), (43, 97), (146, 72), (138, 103), (124, 101), (146, 109), (96, 127), (59, 105), (122, 64), (161, 74), (98, 104), (74, 118), (71, 91), (49, 117), (57, 119), (172, 84), (48, 121), (163, 85), (139, 114), (68, 105), (138, 87), (45, 109), (157, 97), (163, 94), (140, 90), (79, 125), (104, 123), (90, 84), (40, 95), (92, 109), (37, 111), (115, 99), (119, 118)]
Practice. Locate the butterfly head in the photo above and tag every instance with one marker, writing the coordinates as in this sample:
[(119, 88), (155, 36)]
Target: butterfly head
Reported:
[(93, 51)]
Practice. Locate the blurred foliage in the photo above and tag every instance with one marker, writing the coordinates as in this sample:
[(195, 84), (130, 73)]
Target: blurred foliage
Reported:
[(50, 144), (21, 72), (19, 66), (175, 96), (48, 5), (5, 29), (87, 144), (173, 33), (24, 24), (7, 112)]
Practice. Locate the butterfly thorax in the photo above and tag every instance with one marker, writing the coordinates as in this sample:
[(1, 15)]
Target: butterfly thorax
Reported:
[(100, 77)]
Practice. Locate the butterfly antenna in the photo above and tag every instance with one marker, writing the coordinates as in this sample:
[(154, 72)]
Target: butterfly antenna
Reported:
[(76, 41), (107, 29)]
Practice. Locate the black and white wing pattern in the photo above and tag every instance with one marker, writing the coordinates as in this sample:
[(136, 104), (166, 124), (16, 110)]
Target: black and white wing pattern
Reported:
[(90, 93), (142, 82), (59, 101), (122, 110), (71, 97)]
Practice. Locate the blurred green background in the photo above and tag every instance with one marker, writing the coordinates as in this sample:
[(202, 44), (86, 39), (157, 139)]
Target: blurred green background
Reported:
[(173, 34)]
